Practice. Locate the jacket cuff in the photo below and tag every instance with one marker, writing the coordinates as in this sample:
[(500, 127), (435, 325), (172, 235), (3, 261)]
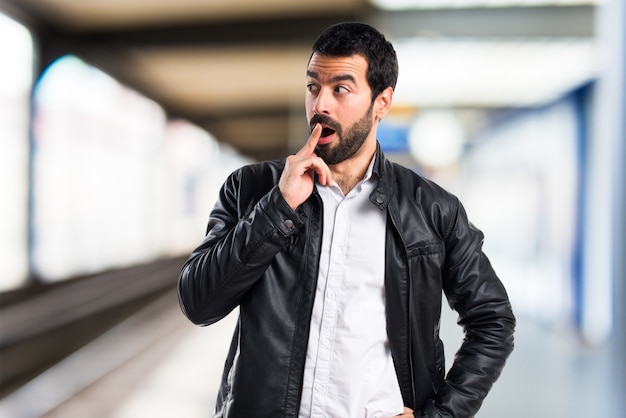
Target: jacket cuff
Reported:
[(286, 220)]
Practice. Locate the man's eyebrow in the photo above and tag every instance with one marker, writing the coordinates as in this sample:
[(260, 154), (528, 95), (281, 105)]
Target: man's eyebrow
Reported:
[(340, 77), (343, 77)]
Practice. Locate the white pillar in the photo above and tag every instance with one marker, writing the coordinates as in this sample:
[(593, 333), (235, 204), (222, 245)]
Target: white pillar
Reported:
[(604, 206)]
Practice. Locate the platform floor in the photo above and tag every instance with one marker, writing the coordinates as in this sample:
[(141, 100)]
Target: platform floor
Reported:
[(548, 375)]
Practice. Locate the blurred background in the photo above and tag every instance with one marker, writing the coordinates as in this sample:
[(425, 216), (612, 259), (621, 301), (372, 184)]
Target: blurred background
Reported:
[(120, 120)]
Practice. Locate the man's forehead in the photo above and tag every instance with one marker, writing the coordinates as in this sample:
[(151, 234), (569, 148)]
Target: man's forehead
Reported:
[(324, 65)]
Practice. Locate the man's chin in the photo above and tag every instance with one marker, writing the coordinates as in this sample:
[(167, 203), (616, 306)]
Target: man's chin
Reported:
[(325, 152), (328, 155)]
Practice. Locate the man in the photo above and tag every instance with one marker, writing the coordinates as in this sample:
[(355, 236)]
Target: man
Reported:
[(337, 259)]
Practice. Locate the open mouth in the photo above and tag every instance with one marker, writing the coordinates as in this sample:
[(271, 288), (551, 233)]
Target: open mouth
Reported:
[(327, 132)]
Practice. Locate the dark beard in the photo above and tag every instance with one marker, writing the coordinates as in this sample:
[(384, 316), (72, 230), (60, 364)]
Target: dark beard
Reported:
[(349, 143)]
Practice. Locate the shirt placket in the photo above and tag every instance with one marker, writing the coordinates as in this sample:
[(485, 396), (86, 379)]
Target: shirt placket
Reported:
[(332, 306)]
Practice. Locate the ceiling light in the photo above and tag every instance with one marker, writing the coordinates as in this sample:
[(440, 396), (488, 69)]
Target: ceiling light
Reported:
[(449, 4), (490, 73)]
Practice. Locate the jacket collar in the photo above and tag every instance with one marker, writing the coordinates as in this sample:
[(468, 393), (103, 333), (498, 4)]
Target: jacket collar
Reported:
[(385, 189)]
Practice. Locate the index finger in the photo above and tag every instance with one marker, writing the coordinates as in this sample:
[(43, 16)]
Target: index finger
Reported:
[(309, 146)]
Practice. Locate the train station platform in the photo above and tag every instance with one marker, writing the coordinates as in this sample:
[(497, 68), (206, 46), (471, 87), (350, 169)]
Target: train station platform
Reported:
[(157, 364)]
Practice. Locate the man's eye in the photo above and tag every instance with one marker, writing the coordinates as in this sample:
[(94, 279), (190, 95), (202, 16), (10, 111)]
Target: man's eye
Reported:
[(312, 88), (341, 89)]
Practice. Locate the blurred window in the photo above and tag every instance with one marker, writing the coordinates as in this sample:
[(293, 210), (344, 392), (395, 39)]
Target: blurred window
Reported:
[(97, 173), (192, 158), (15, 85), (115, 183)]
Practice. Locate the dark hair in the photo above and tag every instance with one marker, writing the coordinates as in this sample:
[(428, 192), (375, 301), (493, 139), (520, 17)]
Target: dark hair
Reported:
[(354, 38)]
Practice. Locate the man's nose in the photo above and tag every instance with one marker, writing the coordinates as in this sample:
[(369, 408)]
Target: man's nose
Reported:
[(322, 102)]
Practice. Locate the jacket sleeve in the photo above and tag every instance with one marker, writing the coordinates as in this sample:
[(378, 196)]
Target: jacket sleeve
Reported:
[(244, 234), (475, 292)]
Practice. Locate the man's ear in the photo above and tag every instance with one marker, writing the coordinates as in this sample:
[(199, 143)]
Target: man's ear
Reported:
[(383, 103)]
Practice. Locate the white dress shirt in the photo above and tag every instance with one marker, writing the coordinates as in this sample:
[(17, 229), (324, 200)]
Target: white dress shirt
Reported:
[(349, 371)]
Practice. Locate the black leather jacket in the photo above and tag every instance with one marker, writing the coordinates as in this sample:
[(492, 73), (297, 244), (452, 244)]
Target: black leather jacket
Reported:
[(262, 256)]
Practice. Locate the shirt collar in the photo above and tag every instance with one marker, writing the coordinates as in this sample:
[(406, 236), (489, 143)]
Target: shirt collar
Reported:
[(371, 169)]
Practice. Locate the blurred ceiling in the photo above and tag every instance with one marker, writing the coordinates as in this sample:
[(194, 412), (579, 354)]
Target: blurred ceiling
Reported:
[(236, 67)]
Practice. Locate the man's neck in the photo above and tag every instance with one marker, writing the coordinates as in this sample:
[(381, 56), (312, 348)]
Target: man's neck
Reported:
[(349, 173)]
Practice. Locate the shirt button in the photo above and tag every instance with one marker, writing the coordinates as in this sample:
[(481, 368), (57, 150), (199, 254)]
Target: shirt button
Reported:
[(288, 224), (379, 199)]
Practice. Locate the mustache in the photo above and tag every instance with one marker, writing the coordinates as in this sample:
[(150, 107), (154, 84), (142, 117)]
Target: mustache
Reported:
[(324, 120)]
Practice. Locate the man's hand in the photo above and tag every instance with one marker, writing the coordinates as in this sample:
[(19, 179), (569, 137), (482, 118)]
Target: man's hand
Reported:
[(408, 413), (298, 177)]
